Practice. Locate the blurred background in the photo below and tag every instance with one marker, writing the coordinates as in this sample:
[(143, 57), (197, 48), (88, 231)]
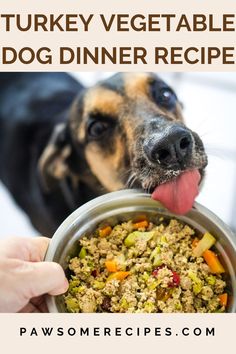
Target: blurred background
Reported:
[(209, 109)]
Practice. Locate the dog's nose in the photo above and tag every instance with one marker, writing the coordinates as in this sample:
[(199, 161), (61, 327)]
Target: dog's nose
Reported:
[(172, 149)]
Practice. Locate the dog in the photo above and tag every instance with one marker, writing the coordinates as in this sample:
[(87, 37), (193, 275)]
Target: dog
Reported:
[(62, 144)]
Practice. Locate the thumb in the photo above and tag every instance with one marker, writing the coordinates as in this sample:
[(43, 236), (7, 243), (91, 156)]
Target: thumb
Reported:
[(40, 278)]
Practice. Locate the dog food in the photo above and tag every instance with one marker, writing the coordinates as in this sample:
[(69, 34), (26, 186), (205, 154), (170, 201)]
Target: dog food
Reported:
[(144, 267)]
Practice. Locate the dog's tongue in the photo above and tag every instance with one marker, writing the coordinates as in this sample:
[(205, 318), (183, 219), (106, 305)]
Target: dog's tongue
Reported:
[(178, 195)]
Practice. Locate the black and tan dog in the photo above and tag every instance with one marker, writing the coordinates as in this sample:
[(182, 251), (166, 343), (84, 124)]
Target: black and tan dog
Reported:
[(62, 144)]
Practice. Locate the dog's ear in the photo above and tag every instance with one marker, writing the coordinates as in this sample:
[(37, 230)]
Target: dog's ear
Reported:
[(52, 164)]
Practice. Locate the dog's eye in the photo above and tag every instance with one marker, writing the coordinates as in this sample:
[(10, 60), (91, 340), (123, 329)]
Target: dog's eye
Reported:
[(165, 97), (96, 129)]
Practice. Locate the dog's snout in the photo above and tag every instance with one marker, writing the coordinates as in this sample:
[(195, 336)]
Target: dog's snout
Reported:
[(171, 149)]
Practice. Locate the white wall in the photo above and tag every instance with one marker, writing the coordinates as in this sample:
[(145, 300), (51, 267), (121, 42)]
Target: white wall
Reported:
[(209, 101)]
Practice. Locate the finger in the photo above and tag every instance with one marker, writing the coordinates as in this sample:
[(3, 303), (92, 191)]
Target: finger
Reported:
[(27, 249), (36, 304), (40, 303), (29, 308), (41, 278), (37, 249)]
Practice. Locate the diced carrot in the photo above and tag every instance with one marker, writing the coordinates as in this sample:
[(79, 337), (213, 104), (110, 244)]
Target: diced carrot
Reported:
[(140, 224), (140, 217), (105, 231), (195, 242), (118, 276), (213, 262), (111, 266), (223, 299)]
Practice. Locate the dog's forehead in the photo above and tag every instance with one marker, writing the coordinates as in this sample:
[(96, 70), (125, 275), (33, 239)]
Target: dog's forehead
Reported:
[(129, 85), (103, 100), (108, 95)]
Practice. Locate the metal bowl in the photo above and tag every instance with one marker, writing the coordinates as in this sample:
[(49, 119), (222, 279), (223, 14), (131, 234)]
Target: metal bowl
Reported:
[(126, 204)]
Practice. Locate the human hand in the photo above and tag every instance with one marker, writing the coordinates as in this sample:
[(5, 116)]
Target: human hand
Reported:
[(25, 278)]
